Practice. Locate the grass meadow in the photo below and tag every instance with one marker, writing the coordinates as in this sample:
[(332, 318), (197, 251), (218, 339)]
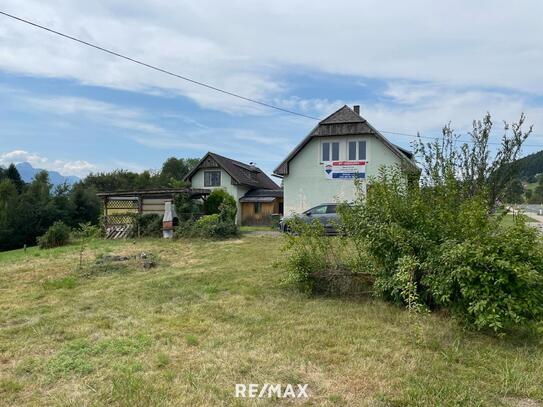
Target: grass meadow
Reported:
[(215, 313)]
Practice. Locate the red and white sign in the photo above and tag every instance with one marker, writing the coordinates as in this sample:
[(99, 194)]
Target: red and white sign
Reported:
[(345, 169)]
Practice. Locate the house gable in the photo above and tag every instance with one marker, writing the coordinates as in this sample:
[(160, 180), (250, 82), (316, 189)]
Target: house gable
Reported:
[(240, 173), (343, 122)]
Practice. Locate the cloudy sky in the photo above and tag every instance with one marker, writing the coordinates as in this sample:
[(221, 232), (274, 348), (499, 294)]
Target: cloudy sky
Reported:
[(412, 66)]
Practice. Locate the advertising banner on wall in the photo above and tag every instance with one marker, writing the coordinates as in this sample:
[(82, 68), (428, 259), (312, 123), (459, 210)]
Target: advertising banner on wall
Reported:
[(345, 169)]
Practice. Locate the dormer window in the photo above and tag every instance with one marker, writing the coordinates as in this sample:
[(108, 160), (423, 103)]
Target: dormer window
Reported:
[(212, 178)]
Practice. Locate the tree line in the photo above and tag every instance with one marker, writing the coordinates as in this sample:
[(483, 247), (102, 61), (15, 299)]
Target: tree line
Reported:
[(27, 210)]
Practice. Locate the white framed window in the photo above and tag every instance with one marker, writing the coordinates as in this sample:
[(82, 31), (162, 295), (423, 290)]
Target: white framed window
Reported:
[(212, 178), (356, 150), (330, 151), (362, 150)]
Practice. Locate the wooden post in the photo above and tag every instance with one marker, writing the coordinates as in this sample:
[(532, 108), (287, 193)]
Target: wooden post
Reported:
[(106, 220)]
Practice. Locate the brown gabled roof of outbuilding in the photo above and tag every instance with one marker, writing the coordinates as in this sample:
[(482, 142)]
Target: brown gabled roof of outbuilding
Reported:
[(241, 173), (343, 122), (276, 193)]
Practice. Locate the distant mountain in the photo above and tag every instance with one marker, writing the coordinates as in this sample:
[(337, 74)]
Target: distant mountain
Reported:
[(28, 172)]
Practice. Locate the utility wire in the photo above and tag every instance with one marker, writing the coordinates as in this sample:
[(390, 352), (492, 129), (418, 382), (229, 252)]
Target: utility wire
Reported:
[(156, 68), (196, 82)]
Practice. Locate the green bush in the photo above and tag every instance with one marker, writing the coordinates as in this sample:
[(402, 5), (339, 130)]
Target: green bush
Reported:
[(87, 231), (432, 248), (492, 281), (150, 225), (187, 208), (221, 202), (57, 235), (208, 226)]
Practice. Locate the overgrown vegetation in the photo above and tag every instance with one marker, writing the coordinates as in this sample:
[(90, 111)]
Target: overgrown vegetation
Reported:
[(219, 221), (317, 264), (57, 235), (436, 244), (149, 225)]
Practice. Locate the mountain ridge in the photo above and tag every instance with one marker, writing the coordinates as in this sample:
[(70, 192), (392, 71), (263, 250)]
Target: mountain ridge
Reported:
[(28, 172)]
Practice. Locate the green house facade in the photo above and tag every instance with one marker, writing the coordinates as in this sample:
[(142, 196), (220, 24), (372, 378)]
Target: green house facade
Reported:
[(341, 148)]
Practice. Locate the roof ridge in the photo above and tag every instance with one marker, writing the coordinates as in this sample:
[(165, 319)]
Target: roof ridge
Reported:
[(343, 115), (235, 162)]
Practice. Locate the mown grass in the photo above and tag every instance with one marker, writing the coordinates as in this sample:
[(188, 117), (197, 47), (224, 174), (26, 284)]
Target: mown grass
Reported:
[(213, 314)]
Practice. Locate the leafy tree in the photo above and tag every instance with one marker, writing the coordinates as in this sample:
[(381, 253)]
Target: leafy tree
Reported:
[(476, 170), (514, 192), (220, 202), (13, 174), (8, 210), (85, 205), (174, 171), (528, 195)]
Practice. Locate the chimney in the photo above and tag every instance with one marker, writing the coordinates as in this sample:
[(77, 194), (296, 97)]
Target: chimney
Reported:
[(356, 109)]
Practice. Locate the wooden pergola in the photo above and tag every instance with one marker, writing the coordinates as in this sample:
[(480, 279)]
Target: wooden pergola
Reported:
[(120, 208)]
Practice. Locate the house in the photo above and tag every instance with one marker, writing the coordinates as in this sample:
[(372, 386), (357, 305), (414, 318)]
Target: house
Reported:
[(257, 196), (342, 147)]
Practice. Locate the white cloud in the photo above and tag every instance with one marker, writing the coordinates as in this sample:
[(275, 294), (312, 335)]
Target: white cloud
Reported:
[(108, 113), (242, 46), (65, 167)]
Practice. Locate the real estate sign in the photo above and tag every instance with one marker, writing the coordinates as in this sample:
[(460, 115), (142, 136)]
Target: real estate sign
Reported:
[(345, 169)]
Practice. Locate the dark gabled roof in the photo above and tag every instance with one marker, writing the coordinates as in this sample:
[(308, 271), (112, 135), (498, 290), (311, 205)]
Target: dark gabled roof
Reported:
[(241, 173), (343, 122), (277, 193)]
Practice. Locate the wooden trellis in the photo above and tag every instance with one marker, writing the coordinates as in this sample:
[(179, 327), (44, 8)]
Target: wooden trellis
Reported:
[(121, 209)]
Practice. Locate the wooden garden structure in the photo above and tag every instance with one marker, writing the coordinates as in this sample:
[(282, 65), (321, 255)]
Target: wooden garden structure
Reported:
[(122, 208)]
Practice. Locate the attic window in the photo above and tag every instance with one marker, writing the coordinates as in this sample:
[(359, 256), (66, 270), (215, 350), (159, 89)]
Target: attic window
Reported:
[(328, 155), (212, 178), (354, 153)]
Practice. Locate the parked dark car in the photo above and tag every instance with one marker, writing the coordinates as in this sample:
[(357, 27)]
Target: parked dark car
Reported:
[(324, 213)]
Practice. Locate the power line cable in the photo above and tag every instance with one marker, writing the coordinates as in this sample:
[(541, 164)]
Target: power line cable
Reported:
[(156, 68), (196, 82)]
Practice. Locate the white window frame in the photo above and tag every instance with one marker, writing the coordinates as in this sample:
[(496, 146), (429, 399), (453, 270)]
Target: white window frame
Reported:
[(357, 150), (330, 151)]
